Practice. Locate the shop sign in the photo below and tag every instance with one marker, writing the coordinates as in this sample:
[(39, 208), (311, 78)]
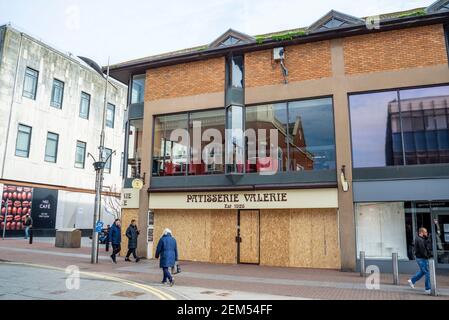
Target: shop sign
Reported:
[(130, 199), (316, 198)]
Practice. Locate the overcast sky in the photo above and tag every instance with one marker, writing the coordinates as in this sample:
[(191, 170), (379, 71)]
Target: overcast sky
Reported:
[(130, 29)]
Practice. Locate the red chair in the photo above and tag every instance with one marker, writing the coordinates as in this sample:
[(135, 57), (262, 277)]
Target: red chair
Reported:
[(169, 169)]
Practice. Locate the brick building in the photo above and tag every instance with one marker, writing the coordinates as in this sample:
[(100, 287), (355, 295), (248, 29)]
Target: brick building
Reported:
[(343, 179)]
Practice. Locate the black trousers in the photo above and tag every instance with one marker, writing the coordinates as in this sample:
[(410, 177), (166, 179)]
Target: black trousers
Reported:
[(115, 249), (107, 246), (133, 252)]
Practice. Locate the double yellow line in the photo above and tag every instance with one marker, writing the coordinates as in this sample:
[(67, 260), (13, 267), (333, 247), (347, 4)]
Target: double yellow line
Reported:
[(156, 292)]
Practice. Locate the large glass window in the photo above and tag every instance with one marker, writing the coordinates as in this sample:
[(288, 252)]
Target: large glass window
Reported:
[(23, 141), (311, 133), (84, 105), (305, 136), (80, 154), (51, 147), (30, 83), (171, 144), (110, 115), (236, 73), (207, 132), (138, 89), (402, 127), (57, 94), (135, 148), (262, 153)]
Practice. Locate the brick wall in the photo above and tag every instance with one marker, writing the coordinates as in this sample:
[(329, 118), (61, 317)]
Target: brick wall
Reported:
[(395, 50), (187, 79), (304, 62)]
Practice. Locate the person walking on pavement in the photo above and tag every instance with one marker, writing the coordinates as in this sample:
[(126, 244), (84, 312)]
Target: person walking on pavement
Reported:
[(132, 233), (28, 225), (115, 237), (422, 253), (168, 252)]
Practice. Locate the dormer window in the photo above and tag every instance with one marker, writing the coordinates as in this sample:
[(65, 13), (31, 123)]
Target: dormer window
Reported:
[(231, 38), (333, 20), (229, 42), (441, 5)]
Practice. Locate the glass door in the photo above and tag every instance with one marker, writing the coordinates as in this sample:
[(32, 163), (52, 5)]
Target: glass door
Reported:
[(440, 233)]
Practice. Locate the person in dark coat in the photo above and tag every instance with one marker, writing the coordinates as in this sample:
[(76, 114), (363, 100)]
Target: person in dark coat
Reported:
[(115, 237), (132, 233), (168, 252), (423, 253)]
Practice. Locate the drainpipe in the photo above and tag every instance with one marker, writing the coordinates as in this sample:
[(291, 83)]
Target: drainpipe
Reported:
[(12, 103)]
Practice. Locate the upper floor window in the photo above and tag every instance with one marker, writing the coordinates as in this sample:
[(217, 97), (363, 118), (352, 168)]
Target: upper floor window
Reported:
[(235, 72), (138, 89), (23, 141), (57, 94), (400, 127), (135, 138), (30, 83), (107, 155), (51, 148), (80, 154), (110, 115), (84, 105)]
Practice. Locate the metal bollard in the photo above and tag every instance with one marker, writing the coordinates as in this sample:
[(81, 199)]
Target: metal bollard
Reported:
[(433, 278), (394, 259), (362, 264)]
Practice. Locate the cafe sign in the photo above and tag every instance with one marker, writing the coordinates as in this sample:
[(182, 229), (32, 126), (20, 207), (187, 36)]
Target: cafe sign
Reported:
[(316, 198), (130, 198)]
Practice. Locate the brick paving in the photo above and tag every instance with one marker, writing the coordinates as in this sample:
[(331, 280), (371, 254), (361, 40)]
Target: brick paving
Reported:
[(290, 282)]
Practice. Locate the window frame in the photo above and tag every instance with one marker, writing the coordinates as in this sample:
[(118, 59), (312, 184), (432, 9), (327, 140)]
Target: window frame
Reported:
[(27, 94), (83, 94), (397, 90), (53, 103), (56, 149), (84, 154), (29, 140)]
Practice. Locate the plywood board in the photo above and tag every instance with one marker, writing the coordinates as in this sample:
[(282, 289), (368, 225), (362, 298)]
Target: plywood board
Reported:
[(224, 231), (300, 242), (249, 234), (274, 237), (127, 216)]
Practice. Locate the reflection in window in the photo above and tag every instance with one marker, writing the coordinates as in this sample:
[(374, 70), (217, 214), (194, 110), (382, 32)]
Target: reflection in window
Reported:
[(170, 152), (258, 155), (207, 157), (138, 89), (237, 72), (400, 127), (135, 148), (311, 131)]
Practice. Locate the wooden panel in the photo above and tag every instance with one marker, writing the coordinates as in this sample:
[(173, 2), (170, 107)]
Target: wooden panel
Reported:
[(127, 216), (301, 238), (191, 229), (274, 235), (249, 234), (224, 230)]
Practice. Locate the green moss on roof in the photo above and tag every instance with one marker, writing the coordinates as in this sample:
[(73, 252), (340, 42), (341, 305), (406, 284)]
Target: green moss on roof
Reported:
[(281, 36), (404, 14)]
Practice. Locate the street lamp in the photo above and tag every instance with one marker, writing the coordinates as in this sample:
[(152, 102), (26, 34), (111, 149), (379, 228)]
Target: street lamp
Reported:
[(101, 163)]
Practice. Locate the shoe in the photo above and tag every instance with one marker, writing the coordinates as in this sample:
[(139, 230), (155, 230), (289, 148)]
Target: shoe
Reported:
[(164, 283), (428, 291), (410, 283), (113, 260), (172, 283), (137, 260), (127, 259)]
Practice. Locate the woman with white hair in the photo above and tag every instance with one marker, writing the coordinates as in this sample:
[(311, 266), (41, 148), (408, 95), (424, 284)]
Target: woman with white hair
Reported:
[(168, 252)]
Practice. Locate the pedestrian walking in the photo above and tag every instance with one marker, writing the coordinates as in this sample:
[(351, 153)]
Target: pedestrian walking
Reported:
[(115, 237), (168, 252), (28, 225), (132, 233), (106, 237), (423, 253)]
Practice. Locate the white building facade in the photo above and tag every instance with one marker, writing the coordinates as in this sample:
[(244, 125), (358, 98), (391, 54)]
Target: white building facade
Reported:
[(51, 113)]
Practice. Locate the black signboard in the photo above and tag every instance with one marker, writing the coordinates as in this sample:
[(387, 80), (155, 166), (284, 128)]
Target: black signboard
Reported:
[(44, 207)]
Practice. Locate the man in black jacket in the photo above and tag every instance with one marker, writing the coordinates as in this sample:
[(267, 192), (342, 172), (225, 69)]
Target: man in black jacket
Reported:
[(423, 253), (132, 233)]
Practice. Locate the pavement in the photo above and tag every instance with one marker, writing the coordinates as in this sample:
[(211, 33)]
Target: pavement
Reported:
[(44, 268)]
